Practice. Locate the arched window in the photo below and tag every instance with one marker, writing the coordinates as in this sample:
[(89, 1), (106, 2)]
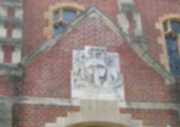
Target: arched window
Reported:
[(172, 38), (59, 16)]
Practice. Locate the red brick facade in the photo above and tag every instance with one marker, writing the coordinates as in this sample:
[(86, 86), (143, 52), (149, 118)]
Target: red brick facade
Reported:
[(151, 11), (37, 17), (49, 74)]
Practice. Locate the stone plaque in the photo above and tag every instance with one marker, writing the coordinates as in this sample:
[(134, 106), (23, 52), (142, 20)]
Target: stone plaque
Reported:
[(96, 74)]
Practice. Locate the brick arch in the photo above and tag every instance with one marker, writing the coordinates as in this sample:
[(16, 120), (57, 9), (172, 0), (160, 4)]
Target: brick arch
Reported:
[(48, 30), (97, 124), (97, 114)]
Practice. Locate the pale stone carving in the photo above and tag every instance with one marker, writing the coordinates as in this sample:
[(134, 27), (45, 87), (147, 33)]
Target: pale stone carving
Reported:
[(17, 33), (96, 74), (3, 31)]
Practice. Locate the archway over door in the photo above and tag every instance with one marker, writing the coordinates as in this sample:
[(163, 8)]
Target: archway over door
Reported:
[(95, 113), (97, 124)]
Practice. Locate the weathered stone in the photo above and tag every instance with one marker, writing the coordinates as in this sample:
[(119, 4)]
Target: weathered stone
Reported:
[(96, 74)]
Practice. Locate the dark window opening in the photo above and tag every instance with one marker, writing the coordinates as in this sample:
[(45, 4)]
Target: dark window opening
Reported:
[(59, 28), (175, 25), (173, 45), (61, 18), (69, 15)]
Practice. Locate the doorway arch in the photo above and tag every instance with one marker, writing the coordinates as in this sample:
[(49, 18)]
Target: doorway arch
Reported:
[(97, 124), (96, 113)]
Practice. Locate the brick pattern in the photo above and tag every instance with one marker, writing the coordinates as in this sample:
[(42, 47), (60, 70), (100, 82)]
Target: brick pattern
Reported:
[(35, 21), (41, 73), (6, 88), (49, 75), (151, 11), (38, 115), (8, 54), (155, 118), (141, 82)]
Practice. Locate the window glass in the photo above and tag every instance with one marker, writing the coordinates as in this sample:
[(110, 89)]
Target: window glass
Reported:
[(172, 43), (175, 25), (69, 15), (58, 29), (62, 17)]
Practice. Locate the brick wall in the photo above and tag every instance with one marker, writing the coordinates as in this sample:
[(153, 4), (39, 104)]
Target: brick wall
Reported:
[(151, 11), (6, 88), (142, 83), (50, 74), (35, 20), (155, 118), (38, 115)]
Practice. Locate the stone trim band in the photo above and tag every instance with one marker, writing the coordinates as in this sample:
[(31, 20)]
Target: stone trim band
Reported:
[(75, 102)]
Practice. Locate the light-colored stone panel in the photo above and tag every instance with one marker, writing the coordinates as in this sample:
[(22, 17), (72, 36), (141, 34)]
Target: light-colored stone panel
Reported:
[(96, 75), (76, 102), (1, 55), (16, 56), (3, 31), (19, 13), (97, 113), (3, 11), (17, 33)]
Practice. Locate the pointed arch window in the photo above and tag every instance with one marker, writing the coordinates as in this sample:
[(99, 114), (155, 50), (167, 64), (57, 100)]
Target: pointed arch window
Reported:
[(172, 38)]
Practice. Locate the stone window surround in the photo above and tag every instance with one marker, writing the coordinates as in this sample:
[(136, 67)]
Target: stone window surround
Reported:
[(48, 30), (16, 55), (3, 31), (17, 33), (1, 55), (3, 11), (18, 13), (161, 39)]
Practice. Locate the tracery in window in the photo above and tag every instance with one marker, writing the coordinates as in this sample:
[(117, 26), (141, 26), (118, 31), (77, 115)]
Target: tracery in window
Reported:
[(59, 16), (172, 37)]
